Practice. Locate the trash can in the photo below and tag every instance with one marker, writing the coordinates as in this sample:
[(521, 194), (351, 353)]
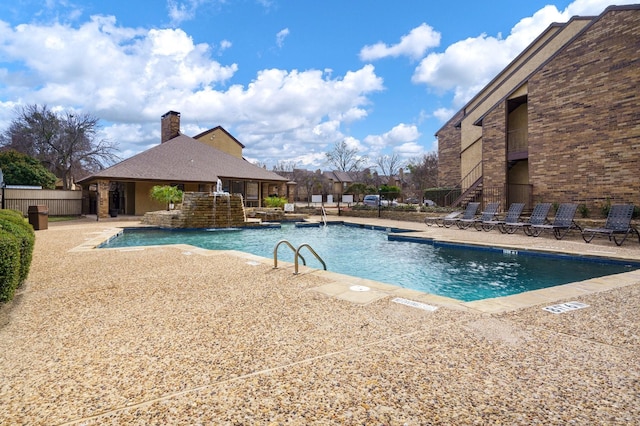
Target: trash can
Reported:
[(39, 217)]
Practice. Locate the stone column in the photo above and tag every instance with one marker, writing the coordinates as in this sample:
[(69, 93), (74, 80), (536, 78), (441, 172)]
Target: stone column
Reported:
[(103, 199), (291, 191)]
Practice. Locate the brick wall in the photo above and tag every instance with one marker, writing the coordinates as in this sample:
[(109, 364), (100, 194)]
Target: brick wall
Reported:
[(584, 116), (449, 140), (494, 150)]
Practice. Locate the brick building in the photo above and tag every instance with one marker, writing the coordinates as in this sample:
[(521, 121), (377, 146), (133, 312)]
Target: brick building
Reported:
[(561, 123), (193, 164)]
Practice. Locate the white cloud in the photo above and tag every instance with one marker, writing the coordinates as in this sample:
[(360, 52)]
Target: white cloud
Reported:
[(224, 45), (467, 65), (181, 11), (105, 68), (413, 45), (443, 114), (409, 150), (398, 136), (282, 34), (132, 76)]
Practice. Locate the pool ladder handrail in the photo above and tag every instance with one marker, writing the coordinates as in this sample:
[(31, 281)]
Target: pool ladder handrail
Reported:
[(296, 256), (324, 215)]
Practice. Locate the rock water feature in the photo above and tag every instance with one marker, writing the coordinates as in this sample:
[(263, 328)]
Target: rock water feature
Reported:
[(203, 210)]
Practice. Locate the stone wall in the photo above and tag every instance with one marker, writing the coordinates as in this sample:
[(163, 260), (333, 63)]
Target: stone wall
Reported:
[(198, 211), (584, 116)]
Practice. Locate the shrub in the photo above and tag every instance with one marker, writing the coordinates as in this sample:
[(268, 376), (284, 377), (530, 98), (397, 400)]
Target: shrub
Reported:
[(15, 214), (13, 222), (166, 194), (583, 210), (274, 201), (606, 207), (9, 265)]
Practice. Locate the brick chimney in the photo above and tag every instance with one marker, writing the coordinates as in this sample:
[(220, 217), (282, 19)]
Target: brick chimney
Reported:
[(169, 126)]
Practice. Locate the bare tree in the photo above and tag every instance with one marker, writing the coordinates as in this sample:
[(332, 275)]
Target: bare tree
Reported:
[(65, 143), (389, 165), (424, 172), (285, 166), (345, 159), (310, 181)]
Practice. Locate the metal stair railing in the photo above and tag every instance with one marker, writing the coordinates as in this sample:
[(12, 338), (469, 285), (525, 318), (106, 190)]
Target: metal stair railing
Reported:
[(288, 244), (297, 255), (468, 183), (324, 265)]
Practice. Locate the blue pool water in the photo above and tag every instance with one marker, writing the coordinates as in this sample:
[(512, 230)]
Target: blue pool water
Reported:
[(461, 272)]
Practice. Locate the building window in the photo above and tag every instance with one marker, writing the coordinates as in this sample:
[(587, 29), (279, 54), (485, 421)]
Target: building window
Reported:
[(252, 191)]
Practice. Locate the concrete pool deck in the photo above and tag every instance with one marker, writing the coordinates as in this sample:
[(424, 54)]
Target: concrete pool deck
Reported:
[(178, 335)]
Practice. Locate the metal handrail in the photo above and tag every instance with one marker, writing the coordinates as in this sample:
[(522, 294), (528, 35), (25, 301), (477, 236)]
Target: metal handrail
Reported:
[(324, 216), (275, 254), (465, 183), (324, 265)]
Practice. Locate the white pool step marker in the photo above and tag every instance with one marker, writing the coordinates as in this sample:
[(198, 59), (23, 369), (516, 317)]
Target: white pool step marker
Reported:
[(565, 307), (415, 304)]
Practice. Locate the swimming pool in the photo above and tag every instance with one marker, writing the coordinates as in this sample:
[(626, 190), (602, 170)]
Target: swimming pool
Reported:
[(465, 273)]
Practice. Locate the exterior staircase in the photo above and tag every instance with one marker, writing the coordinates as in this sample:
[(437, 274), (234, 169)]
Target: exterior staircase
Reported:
[(473, 192)]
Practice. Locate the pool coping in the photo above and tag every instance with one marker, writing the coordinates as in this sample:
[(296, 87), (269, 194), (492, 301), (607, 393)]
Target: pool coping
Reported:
[(352, 289)]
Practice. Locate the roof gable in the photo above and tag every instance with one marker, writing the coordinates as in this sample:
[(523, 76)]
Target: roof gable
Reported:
[(184, 159), (218, 129)]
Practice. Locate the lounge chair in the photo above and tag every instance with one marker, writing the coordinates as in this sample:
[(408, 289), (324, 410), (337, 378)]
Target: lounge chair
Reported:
[(469, 217), (512, 217), (488, 215), (442, 220), (538, 217), (469, 213), (562, 223), (618, 224)]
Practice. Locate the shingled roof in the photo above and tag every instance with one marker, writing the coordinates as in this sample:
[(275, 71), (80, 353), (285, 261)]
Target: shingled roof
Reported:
[(339, 176), (184, 159)]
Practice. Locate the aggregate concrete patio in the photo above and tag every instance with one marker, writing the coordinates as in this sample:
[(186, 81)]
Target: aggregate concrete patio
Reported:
[(178, 335)]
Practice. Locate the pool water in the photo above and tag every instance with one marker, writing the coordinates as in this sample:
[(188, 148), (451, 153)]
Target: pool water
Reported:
[(465, 273)]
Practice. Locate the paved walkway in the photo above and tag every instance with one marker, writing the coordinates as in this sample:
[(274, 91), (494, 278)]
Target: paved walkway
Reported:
[(178, 335)]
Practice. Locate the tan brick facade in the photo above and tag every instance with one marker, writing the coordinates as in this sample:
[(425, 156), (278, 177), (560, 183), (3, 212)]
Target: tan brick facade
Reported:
[(449, 141), (582, 123), (584, 116), (494, 148)]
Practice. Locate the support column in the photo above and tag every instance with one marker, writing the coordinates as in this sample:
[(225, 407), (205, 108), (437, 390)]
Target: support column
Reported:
[(102, 208)]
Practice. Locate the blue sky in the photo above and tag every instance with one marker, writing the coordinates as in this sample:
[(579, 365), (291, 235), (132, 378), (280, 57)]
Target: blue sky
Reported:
[(288, 78)]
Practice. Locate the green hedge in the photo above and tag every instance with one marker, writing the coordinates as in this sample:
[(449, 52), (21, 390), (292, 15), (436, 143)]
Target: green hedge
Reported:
[(17, 239)]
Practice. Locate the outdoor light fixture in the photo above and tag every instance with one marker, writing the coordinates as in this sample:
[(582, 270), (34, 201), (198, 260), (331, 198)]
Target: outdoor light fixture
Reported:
[(2, 185)]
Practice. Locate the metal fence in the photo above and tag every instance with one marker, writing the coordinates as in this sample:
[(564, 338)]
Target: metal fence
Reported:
[(59, 203)]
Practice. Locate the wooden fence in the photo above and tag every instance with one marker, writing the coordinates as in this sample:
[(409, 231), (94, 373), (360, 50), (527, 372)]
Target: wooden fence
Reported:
[(60, 203)]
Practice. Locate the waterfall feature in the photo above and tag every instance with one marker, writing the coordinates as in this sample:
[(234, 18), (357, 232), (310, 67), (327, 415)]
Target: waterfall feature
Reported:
[(221, 197), (203, 210)]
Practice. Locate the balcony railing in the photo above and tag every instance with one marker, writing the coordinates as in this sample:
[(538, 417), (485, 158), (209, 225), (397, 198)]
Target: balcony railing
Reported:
[(507, 194), (517, 140)]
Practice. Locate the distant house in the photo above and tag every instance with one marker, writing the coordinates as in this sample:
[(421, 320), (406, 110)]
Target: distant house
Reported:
[(561, 123), (191, 163), (339, 182)]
